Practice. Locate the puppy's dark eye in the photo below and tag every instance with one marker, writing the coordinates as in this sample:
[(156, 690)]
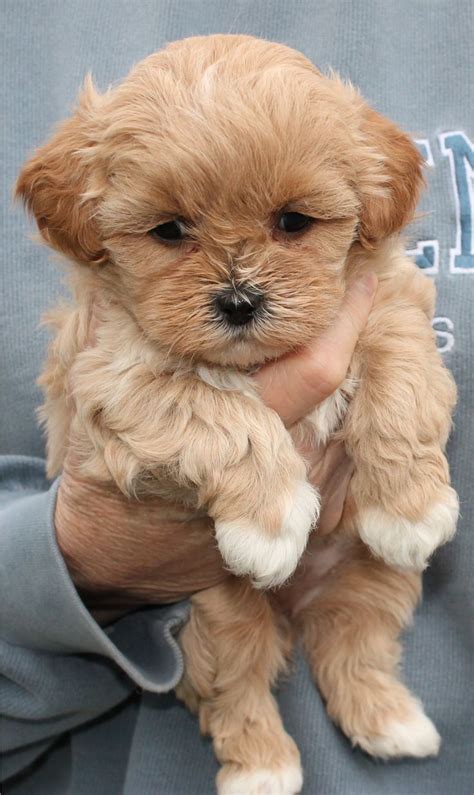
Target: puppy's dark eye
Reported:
[(170, 232), (294, 222)]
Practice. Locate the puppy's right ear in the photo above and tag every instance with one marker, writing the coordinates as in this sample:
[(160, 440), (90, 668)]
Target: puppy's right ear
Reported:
[(60, 183)]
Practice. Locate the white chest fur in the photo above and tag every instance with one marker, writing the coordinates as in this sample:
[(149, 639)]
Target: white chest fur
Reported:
[(328, 417), (227, 380), (324, 420)]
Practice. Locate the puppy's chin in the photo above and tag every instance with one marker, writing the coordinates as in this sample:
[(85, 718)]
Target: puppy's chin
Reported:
[(243, 354)]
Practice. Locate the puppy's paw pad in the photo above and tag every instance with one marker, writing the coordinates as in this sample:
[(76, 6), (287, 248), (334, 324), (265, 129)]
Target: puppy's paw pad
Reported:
[(251, 551), (407, 544), (417, 736), (287, 780)]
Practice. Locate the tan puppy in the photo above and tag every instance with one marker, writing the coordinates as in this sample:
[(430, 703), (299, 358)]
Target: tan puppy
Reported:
[(215, 206)]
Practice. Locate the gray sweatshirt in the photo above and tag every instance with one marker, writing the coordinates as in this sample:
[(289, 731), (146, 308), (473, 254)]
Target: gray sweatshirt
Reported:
[(86, 710)]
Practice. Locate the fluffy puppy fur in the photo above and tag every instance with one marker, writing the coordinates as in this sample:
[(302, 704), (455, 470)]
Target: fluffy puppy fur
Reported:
[(220, 138)]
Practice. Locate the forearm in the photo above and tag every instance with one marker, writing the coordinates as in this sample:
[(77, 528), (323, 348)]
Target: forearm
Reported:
[(58, 667)]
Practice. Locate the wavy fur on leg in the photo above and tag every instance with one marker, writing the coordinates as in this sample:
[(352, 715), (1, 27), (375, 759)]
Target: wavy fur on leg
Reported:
[(231, 692), (350, 633)]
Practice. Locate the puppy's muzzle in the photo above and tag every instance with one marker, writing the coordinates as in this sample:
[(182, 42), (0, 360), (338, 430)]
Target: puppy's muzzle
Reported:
[(238, 305)]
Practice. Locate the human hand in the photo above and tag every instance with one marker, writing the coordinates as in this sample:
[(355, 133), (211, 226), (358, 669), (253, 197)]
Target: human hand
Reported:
[(123, 553)]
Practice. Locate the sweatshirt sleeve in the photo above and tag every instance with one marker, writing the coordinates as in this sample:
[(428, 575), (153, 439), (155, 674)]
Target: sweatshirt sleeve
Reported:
[(58, 667)]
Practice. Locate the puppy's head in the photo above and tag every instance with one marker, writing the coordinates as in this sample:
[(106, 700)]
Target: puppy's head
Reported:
[(217, 193)]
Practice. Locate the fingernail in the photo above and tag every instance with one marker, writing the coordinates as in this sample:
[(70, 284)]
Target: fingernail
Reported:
[(368, 283)]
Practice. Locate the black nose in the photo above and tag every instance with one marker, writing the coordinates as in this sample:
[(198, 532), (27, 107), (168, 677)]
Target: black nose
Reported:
[(238, 305)]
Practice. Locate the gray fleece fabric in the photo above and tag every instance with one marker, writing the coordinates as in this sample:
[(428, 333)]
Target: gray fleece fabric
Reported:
[(87, 711)]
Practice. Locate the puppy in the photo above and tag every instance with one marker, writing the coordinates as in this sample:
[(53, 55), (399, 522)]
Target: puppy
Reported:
[(214, 206)]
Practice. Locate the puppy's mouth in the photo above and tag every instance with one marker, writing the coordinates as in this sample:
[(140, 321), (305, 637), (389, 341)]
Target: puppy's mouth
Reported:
[(245, 347), (243, 333)]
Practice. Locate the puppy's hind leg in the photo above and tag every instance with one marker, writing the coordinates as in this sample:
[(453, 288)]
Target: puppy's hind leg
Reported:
[(234, 651), (350, 633)]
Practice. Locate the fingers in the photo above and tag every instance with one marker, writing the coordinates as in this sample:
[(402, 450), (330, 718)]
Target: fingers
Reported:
[(339, 341), (295, 384)]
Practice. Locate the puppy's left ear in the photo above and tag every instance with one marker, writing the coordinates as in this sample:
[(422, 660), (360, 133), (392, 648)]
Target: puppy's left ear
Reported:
[(390, 180)]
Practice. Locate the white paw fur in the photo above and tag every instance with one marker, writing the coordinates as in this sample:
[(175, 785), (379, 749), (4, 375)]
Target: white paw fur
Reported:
[(417, 736), (249, 551), (287, 780), (409, 545)]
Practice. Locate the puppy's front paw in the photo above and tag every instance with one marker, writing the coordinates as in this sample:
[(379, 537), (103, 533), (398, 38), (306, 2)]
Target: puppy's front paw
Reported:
[(269, 560), (415, 736), (284, 780), (409, 545)]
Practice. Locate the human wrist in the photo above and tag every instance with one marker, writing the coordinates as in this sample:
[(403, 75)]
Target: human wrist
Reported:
[(83, 518)]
